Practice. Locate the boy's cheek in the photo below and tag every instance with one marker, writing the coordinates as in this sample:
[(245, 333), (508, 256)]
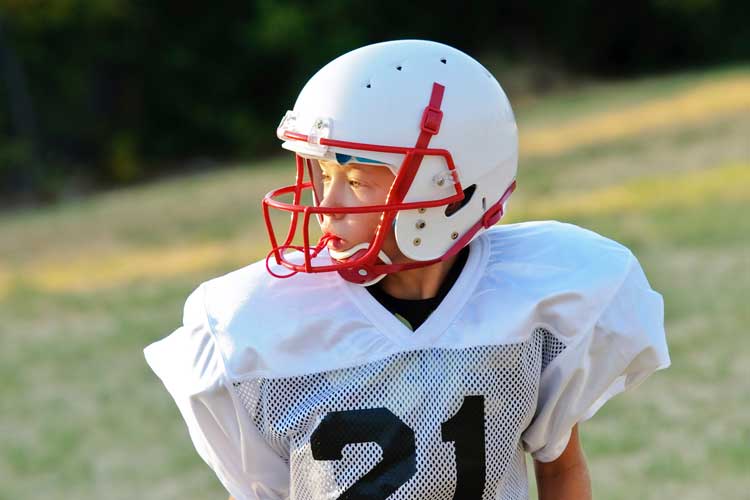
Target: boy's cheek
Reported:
[(360, 226)]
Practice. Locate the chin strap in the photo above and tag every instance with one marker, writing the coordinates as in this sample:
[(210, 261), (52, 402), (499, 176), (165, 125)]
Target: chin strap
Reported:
[(362, 275)]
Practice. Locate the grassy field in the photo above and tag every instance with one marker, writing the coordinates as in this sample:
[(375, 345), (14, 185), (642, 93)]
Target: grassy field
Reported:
[(660, 164)]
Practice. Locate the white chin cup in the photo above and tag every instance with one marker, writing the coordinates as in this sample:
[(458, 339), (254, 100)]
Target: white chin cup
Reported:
[(342, 256)]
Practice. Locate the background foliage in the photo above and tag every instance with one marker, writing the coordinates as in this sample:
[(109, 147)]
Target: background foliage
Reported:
[(102, 92)]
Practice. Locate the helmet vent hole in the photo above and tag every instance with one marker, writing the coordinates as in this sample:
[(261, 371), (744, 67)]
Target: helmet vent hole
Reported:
[(444, 61), (484, 204), (398, 68), (368, 85), (456, 206)]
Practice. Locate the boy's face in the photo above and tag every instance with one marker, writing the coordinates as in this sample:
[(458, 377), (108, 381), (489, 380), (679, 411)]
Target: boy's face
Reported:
[(354, 185)]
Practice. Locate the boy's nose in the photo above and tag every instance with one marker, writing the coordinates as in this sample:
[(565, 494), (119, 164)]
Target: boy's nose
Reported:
[(330, 201)]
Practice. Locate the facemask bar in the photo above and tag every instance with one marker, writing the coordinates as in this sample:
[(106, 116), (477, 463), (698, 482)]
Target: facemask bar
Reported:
[(316, 178)]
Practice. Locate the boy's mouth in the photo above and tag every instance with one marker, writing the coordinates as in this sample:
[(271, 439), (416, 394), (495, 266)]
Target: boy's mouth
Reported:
[(335, 242)]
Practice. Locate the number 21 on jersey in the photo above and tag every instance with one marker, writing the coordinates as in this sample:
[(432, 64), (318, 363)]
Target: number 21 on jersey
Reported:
[(396, 439)]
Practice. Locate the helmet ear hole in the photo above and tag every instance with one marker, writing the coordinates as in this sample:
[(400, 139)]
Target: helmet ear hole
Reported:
[(458, 205)]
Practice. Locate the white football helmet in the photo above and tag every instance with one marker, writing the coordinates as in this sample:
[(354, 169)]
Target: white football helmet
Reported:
[(433, 115)]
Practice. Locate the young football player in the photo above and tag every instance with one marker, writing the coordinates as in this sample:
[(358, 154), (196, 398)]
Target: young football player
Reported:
[(416, 350)]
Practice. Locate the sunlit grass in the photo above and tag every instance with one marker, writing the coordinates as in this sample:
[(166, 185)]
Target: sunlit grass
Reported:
[(706, 102), (727, 183), (158, 264)]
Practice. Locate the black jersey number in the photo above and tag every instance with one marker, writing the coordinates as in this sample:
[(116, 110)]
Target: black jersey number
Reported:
[(379, 425)]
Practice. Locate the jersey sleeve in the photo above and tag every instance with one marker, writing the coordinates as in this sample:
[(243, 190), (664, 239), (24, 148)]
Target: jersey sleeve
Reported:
[(191, 367), (620, 350)]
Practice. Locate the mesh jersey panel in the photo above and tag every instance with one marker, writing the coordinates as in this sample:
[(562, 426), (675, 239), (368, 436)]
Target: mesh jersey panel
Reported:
[(406, 402)]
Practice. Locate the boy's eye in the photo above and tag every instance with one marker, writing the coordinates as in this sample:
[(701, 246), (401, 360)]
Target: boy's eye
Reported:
[(354, 183)]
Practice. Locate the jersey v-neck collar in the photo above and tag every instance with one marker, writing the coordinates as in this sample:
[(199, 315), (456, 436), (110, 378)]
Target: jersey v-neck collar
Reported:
[(441, 318), (414, 312)]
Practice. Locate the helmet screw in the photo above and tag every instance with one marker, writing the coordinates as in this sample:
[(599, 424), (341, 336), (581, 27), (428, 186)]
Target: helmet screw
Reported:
[(421, 210), (362, 272), (319, 124), (421, 224), (417, 242), (454, 235), (440, 181)]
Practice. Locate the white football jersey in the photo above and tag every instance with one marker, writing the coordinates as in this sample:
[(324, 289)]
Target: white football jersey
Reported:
[(308, 389)]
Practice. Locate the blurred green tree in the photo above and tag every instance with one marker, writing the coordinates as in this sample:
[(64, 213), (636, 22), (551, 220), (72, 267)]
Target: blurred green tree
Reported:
[(126, 89)]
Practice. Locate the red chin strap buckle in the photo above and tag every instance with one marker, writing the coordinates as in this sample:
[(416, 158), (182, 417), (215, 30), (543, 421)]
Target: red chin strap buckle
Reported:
[(359, 274), (496, 211), (493, 215)]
